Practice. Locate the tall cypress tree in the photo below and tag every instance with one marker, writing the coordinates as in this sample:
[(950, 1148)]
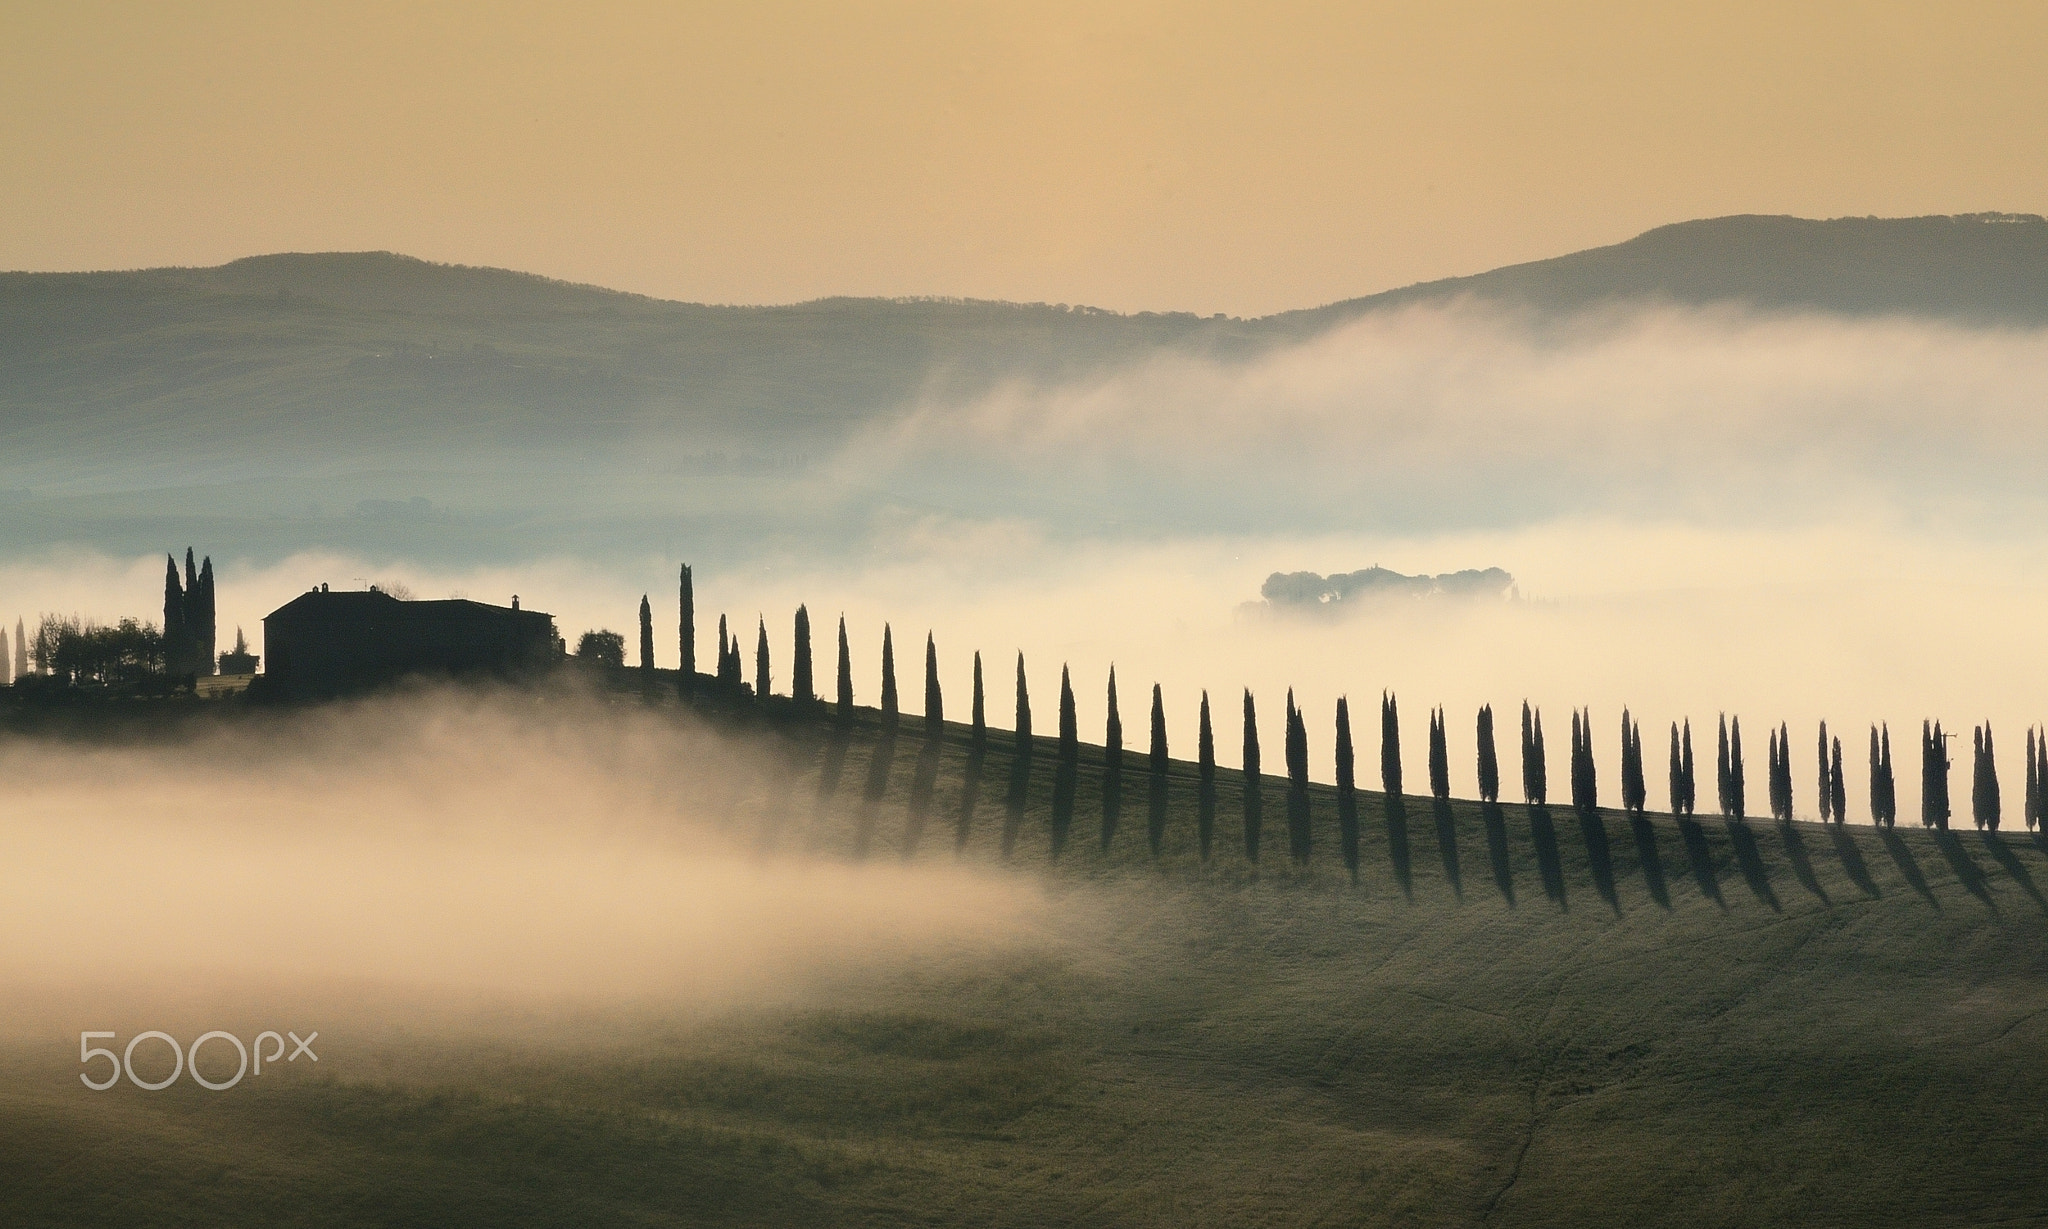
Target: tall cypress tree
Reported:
[(1066, 769), (1205, 792), (1298, 832), (1737, 793), (1390, 745), (1254, 794), (1891, 783), (1721, 770), (204, 648), (977, 734), (1528, 757), (1691, 782), (1827, 780), (2040, 757), (686, 634), (2033, 802), (762, 677), (1838, 801), (1155, 785), (1489, 760), (1876, 781), (802, 688), (1987, 785), (1347, 786), (177, 643), (1677, 775), (844, 706), (1439, 756), (1584, 795), (1540, 762), (1112, 767), (1635, 790), (889, 706), (646, 637), (934, 702)]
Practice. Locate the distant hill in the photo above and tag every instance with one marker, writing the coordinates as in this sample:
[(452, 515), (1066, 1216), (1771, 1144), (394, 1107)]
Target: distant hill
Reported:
[(1983, 268), (294, 388)]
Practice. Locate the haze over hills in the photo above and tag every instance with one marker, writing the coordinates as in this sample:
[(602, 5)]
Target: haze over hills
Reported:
[(302, 398)]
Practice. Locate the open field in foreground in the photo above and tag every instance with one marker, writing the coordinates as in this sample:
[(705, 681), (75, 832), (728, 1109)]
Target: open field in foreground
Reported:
[(1510, 1018)]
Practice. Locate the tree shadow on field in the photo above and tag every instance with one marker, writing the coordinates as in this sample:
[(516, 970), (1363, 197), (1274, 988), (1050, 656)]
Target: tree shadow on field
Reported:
[(922, 782), (1699, 858), (1397, 844), (1802, 865), (1544, 834), (1447, 843), (1751, 862), (1967, 872), (1600, 856), (871, 795), (1020, 789), (1908, 865), (791, 750), (970, 793), (1996, 846), (1851, 859), (1497, 850), (829, 771), (1652, 862)]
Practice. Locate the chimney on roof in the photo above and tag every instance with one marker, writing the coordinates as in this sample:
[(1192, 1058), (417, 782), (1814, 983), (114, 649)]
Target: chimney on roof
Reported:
[(515, 601)]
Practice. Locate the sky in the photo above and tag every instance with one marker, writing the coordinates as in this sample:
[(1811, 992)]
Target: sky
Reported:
[(1134, 155)]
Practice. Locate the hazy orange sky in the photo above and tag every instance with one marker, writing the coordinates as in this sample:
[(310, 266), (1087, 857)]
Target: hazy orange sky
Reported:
[(1242, 158)]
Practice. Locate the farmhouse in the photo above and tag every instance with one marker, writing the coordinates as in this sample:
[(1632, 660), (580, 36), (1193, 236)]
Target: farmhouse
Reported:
[(323, 643)]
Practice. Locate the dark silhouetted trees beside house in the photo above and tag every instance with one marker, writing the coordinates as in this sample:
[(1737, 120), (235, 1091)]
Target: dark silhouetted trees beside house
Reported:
[(603, 648), (188, 630), (80, 651)]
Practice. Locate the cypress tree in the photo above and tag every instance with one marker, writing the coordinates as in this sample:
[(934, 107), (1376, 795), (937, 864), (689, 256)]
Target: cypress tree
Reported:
[(1254, 796), (203, 629), (844, 707), (1112, 767), (2040, 758), (1737, 794), (1528, 757), (724, 662), (1541, 762), (1439, 756), (1347, 785), (2033, 802), (1585, 790), (1721, 774), (1205, 794), (889, 708), (762, 678), (1838, 800), (1876, 781), (646, 636), (1066, 769), (177, 653), (934, 702), (1891, 783), (1155, 793), (1390, 745), (1926, 774), (802, 687), (1489, 761), (1298, 834), (1677, 775), (1988, 783), (1635, 789), (1827, 780), (1691, 782), (686, 633), (977, 735)]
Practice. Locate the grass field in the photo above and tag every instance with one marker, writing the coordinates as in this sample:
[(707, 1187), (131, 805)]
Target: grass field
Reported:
[(1511, 1017)]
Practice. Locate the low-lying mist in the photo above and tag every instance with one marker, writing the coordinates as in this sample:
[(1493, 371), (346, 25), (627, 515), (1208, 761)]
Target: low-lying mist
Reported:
[(443, 855)]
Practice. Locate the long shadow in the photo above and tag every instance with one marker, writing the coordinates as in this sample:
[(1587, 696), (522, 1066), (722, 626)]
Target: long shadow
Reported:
[(1544, 834), (1999, 850), (1751, 861), (1497, 850), (829, 772), (970, 793), (1699, 858), (1397, 843), (1802, 865), (1652, 862), (1967, 872), (1908, 865), (871, 794), (791, 749), (1851, 859), (922, 781), (1020, 789), (1155, 811), (1447, 843), (1600, 856)]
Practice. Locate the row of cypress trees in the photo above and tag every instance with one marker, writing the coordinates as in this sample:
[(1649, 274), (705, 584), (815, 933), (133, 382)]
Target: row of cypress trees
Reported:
[(1730, 772)]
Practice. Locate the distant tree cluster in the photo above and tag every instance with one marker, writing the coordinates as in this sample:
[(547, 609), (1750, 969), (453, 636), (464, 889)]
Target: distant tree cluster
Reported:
[(81, 651)]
